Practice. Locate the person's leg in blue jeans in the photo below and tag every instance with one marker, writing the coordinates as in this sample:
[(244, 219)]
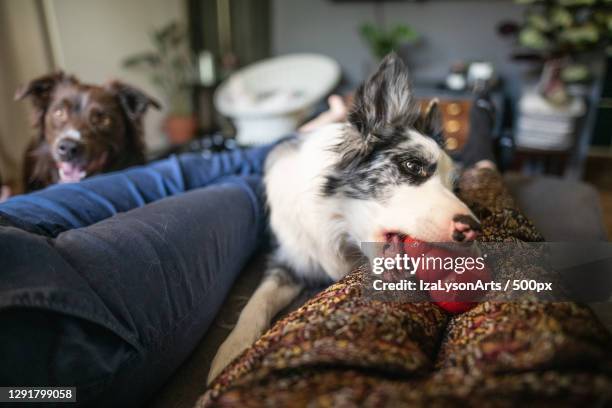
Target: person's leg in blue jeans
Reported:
[(149, 253), (65, 206)]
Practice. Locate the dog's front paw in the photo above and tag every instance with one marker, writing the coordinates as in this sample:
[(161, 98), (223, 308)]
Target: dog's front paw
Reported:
[(229, 350)]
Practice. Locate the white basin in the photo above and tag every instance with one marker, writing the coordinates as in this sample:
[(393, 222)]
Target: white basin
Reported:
[(268, 99)]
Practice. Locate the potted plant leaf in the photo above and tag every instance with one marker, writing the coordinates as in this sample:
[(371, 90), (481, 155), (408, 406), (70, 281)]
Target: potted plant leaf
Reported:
[(382, 41), (170, 66)]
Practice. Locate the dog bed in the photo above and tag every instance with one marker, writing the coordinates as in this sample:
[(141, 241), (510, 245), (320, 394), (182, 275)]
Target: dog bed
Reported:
[(342, 348)]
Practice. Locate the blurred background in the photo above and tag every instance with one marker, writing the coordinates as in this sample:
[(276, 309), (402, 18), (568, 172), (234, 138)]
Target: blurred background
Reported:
[(242, 72)]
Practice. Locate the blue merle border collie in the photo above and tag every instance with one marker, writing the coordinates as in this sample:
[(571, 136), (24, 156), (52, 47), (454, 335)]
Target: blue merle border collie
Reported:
[(381, 175)]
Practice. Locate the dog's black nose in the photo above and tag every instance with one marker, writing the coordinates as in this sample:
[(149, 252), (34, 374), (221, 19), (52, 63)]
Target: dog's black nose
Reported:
[(465, 228), (68, 149)]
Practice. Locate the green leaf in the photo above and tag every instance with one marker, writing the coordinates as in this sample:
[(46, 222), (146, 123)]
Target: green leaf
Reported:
[(143, 59), (539, 22), (531, 38), (369, 33), (402, 33), (587, 33), (575, 73), (560, 17)]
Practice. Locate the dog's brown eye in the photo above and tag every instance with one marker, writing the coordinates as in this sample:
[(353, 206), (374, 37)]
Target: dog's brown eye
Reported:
[(100, 119), (60, 113)]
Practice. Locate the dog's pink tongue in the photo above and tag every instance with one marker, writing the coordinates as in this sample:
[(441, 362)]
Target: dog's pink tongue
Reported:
[(70, 173)]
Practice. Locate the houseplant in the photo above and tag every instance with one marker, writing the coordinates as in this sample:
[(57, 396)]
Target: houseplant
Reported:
[(562, 36), (170, 66), (382, 41)]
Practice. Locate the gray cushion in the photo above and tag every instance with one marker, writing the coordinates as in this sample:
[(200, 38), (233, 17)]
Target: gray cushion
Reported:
[(561, 210)]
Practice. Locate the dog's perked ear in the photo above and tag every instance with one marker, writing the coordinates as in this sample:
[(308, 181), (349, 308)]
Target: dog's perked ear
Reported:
[(430, 122), (133, 101), (384, 102)]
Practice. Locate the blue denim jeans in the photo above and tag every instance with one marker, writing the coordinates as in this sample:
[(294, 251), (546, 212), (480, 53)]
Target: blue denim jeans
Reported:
[(109, 284)]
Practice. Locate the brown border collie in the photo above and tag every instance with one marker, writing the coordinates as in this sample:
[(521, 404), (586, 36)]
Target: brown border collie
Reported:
[(82, 129)]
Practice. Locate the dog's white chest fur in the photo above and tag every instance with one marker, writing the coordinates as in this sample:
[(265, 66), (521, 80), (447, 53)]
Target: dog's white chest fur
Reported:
[(310, 228)]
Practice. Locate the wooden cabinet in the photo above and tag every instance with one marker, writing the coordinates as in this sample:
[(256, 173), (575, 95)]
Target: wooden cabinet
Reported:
[(456, 121)]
